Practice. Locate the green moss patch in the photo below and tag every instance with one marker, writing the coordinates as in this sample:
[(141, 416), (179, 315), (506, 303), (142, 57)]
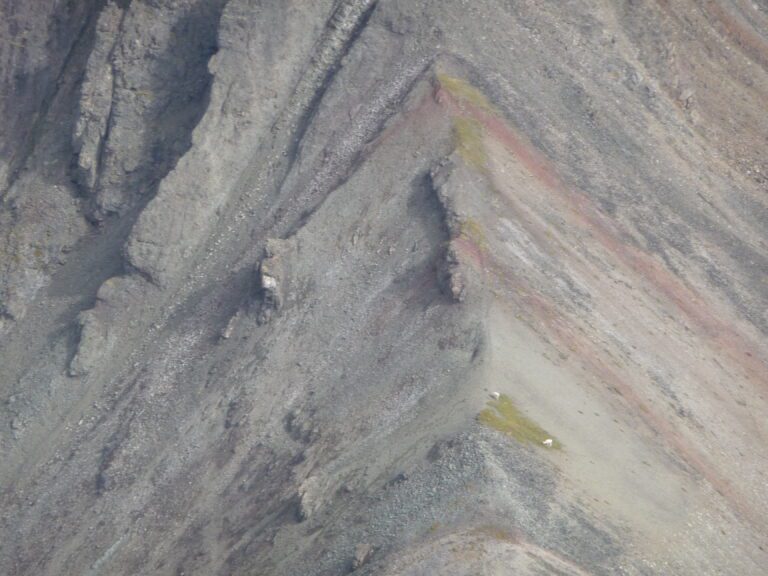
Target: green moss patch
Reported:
[(473, 231), (504, 416), (467, 129), (464, 91), (468, 139)]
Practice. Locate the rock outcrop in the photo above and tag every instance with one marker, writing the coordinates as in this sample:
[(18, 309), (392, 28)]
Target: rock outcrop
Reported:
[(390, 287), (271, 279)]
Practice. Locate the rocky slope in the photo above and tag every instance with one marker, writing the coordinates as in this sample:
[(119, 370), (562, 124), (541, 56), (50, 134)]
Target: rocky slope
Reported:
[(392, 287)]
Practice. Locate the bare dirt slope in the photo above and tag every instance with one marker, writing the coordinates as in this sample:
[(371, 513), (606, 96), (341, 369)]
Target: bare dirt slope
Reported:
[(394, 287)]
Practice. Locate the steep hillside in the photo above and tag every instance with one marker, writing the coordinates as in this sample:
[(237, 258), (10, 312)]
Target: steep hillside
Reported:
[(383, 287)]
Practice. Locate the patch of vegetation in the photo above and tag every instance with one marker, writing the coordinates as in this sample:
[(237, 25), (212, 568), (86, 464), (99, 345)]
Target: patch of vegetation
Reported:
[(467, 130), (497, 533), (468, 139), (472, 230), (504, 416), (9, 253), (464, 91), (39, 255)]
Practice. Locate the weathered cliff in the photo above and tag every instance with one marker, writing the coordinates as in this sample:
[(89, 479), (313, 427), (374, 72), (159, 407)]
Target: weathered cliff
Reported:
[(390, 287)]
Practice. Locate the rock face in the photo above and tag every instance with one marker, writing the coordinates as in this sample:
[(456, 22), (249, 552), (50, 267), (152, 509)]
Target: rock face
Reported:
[(403, 288)]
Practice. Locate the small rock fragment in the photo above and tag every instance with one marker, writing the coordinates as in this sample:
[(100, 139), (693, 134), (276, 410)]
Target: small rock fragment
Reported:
[(449, 275), (226, 333), (495, 395), (363, 553), (548, 442), (270, 274), (309, 498), (399, 479)]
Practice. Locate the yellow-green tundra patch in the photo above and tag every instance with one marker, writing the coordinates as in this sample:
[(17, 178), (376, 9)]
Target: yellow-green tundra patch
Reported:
[(504, 416), (464, 91), (472, 230), (468, 139)]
